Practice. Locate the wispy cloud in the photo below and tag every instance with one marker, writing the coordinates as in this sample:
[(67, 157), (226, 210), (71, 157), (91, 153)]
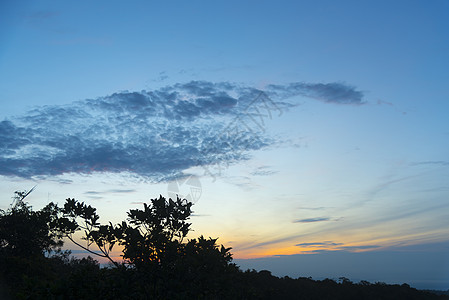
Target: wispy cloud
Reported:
[(154, 134), (361, 247), (98, 194), (435, 162), (92, 193), (243, 182), (249, 245), (137, 202), (311, 220), (121, 191), (263, 171), (314, 208), (319, 244), (338, 93), (329, 245)]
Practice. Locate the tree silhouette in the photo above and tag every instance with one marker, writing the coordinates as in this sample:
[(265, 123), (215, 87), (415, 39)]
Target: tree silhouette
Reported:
[(24, 232), (153, 245), (95, 233), (151, 238)]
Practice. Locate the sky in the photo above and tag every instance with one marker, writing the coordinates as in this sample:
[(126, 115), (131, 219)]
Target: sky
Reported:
[(312, 136)]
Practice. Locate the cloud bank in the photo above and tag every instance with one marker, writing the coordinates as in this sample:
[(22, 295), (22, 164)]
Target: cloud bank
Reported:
[(154, 134)]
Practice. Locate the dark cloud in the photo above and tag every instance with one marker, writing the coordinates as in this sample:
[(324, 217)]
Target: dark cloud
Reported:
[(311, 220), (154, 134)]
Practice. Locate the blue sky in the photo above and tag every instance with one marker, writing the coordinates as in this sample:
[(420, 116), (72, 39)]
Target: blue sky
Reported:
[(303, 131)]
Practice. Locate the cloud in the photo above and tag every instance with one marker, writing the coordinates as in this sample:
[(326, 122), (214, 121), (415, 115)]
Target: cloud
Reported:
[(64, 181), (153, 134), (319, 244), (243, 182), (314, 208), (337, 246), (311, 220), (436, 162), (121, 191), (92, 193), (137, 202), (263, 171), (270, 242), (96, 194), (355, 248), (338, 93)]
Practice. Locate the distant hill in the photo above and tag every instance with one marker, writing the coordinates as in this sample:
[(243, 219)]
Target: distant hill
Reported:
[(263, 285), (437, 292)]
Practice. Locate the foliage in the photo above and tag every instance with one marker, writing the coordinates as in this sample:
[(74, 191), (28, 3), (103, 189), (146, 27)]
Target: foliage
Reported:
[(152, 237), (24, 232), (153, 245), (100, 235)]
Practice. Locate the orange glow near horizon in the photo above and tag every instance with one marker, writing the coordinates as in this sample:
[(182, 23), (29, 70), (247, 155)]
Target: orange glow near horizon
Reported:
[(251, 249)]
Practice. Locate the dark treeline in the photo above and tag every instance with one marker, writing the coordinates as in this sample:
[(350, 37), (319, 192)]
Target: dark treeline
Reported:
[(159, 262), (63, 278)]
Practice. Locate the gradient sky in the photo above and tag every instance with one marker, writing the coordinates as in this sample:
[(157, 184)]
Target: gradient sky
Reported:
[(318, 131)]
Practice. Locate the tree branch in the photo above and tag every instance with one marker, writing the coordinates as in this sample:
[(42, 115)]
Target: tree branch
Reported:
[(92, 252)]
